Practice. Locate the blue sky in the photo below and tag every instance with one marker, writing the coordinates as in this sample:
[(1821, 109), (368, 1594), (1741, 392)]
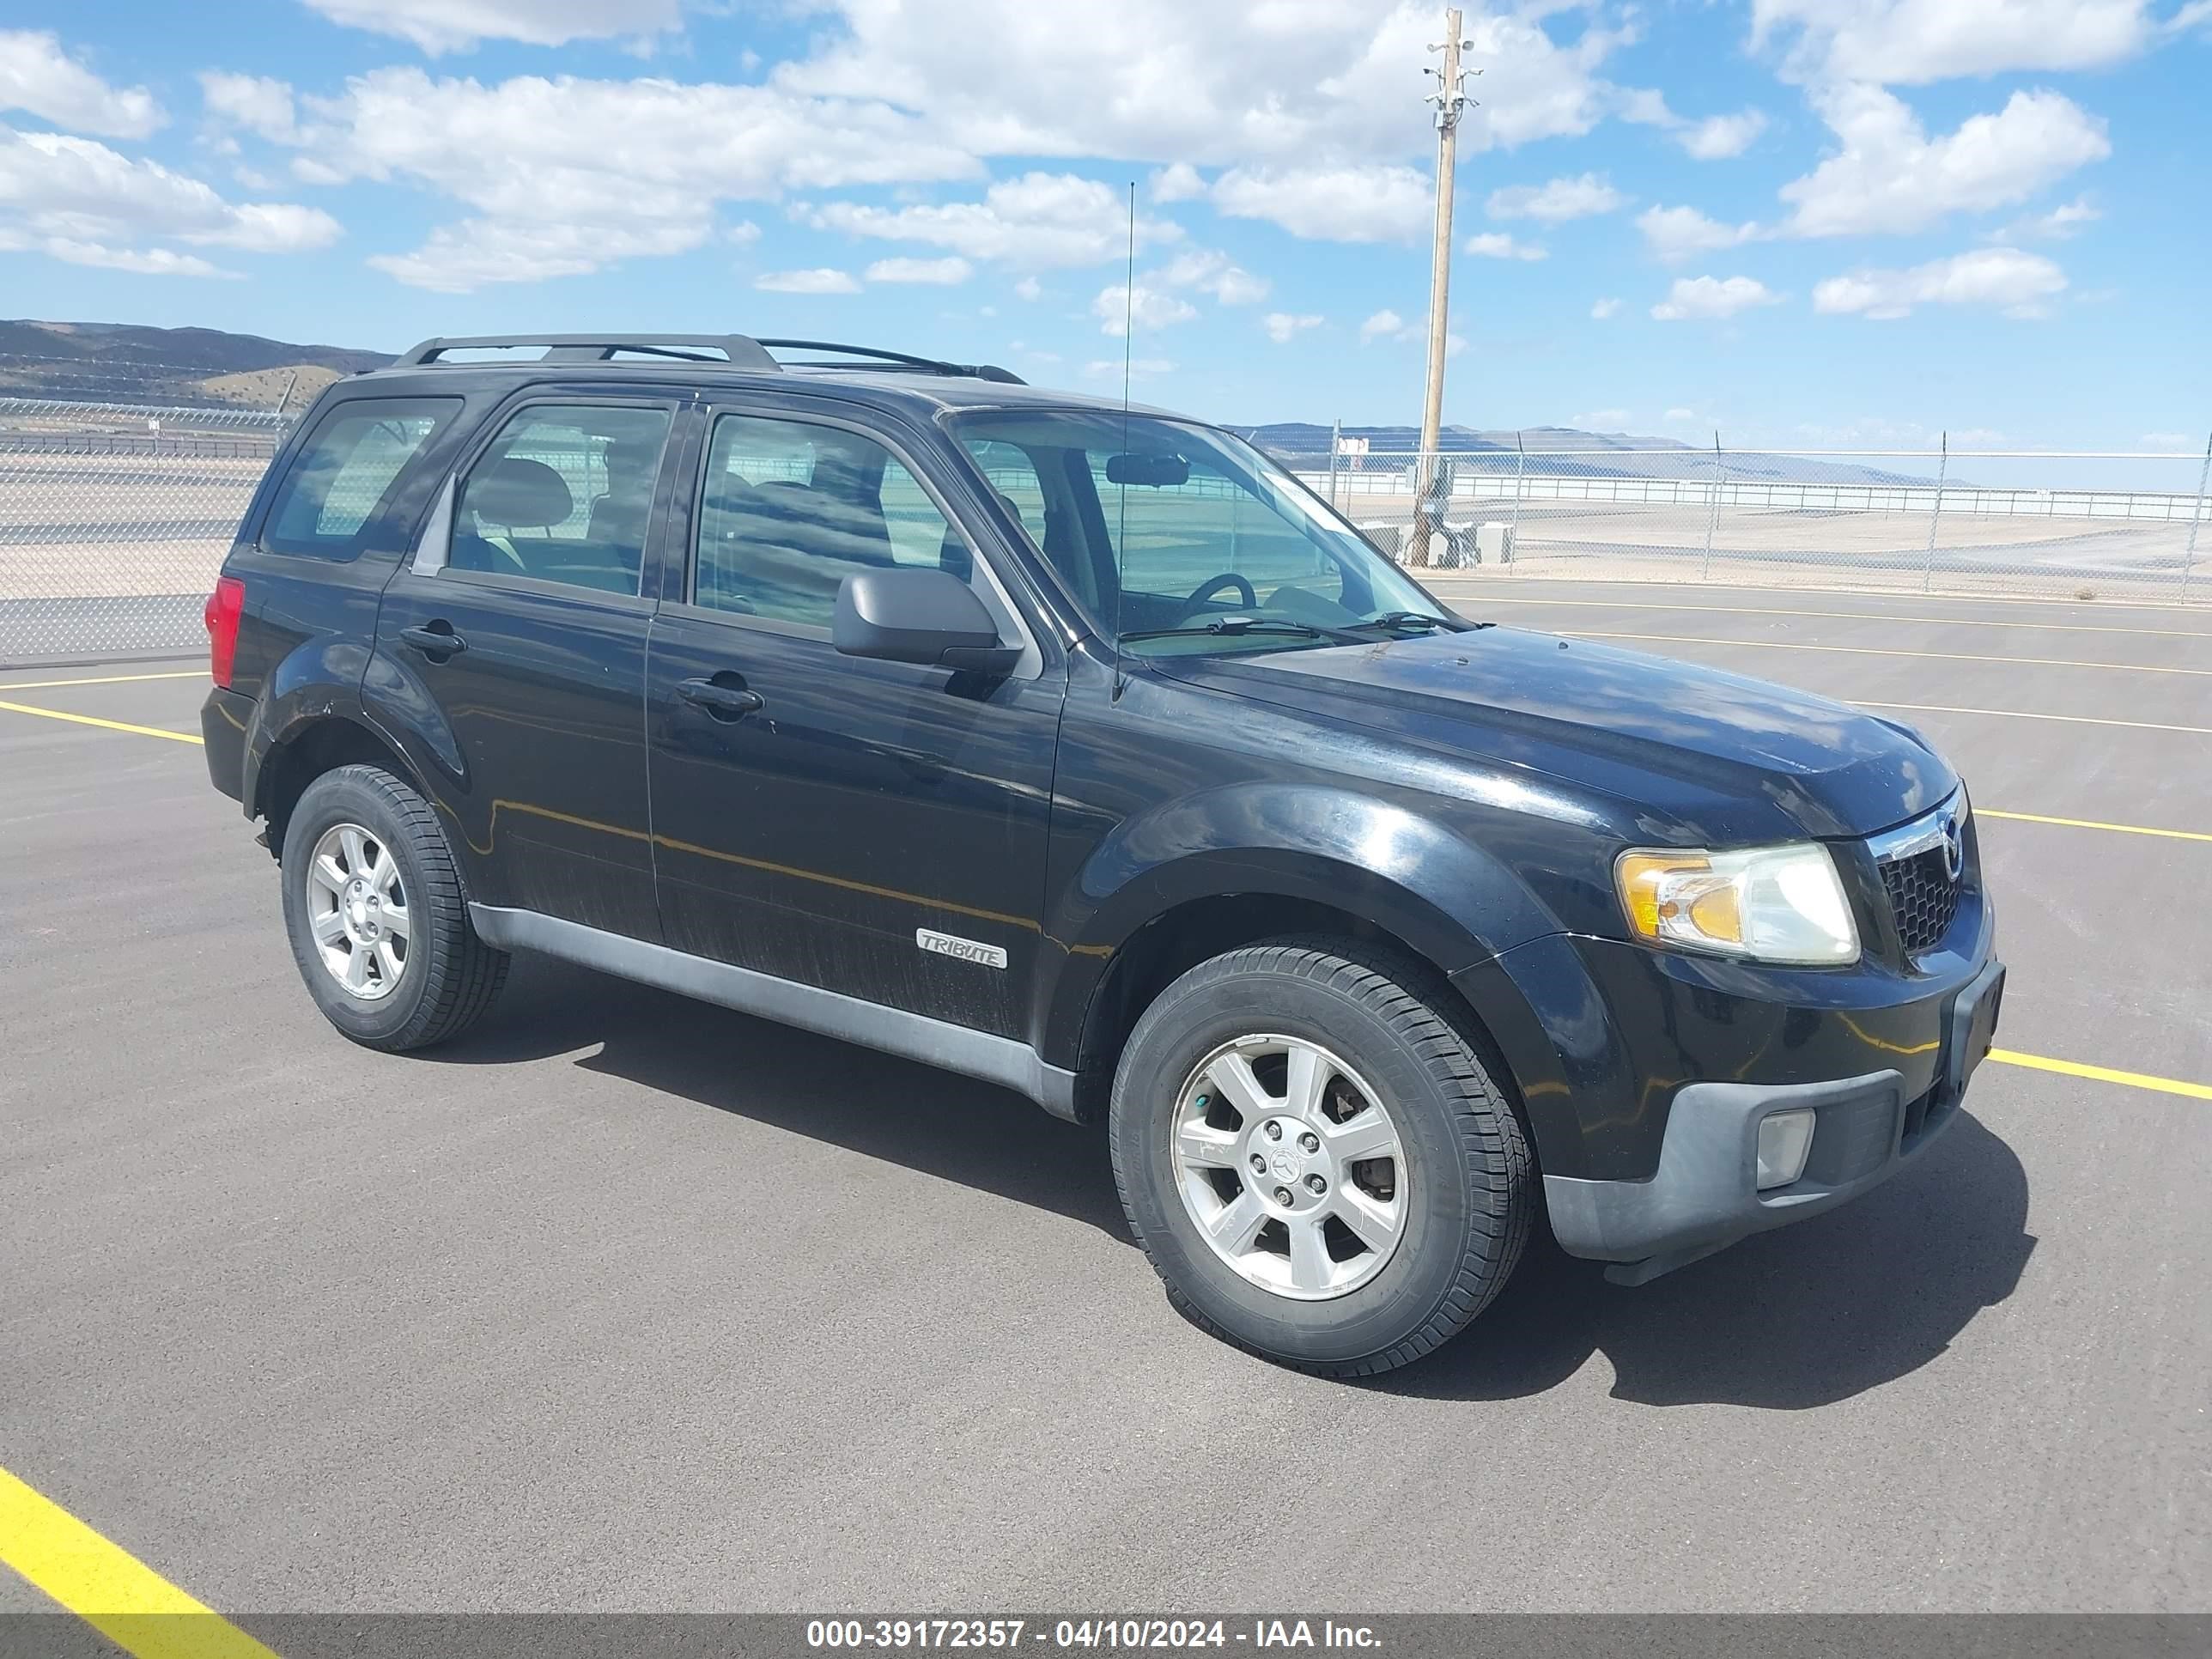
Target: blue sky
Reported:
[(1810, 222)]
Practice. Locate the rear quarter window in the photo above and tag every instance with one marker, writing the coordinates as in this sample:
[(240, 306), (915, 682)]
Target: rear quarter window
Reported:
[(342, 475)]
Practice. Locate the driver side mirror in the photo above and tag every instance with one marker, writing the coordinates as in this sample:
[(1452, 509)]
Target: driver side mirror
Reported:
[(919, 615)]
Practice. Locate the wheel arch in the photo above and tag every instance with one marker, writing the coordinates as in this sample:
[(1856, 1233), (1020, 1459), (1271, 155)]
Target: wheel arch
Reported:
[(1202, 927), (311, 746)]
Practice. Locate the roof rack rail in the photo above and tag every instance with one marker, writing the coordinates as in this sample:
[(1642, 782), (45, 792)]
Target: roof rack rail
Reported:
[(740, 350), (897, 360)]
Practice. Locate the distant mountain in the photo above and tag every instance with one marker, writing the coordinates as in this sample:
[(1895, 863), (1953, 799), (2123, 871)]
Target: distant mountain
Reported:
[(124, 364), (1305, 447)]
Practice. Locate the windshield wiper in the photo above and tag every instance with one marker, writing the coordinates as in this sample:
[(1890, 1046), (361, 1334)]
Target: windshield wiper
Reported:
[(1236, 626), (1420, 619)]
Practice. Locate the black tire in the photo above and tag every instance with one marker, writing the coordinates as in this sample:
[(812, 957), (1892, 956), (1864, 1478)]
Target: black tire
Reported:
[(450, 977), (1470, 1201)]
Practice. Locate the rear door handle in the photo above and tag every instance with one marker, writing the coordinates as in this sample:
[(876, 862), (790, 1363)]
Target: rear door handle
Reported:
[(436, 641), (724, 702)]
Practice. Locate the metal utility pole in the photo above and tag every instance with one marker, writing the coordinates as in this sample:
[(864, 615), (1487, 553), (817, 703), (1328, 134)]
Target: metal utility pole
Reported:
[(1449, 100)]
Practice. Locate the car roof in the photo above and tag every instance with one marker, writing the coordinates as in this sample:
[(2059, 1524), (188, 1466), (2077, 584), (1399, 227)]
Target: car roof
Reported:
[(917, 387)]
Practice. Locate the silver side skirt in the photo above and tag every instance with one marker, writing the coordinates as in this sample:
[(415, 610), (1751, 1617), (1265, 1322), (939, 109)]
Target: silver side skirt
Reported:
[(916, 1036)]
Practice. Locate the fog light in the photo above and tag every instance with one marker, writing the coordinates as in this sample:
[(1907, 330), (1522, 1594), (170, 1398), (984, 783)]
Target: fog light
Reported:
[(1784, 1140)]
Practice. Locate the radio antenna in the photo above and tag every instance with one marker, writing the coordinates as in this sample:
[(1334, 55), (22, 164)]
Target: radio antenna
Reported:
[(1128, 345)]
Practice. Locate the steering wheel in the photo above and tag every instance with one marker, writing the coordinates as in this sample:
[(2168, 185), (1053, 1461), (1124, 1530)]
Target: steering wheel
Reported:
[(1207, 590)]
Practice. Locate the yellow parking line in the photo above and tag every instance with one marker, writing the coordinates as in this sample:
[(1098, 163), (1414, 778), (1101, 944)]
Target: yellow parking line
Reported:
[(109, 679), (2022, 714), (2164, 1086), (112, 725), (1881, 651), (2093, 823), (1851, 616), (109, 1587)]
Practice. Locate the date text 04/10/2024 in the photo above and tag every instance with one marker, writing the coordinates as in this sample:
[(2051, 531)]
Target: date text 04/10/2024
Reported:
[(1088, 1634)]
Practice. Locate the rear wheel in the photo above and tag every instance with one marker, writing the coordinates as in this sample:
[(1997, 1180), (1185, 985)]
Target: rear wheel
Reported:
[(374, 906), (1315, 1159)]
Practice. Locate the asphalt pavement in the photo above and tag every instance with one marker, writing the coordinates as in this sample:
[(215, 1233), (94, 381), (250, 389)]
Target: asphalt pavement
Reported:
[(628, 1303)]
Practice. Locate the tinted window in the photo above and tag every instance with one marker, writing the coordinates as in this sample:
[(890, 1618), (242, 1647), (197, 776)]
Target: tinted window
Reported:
[(1157, 526), (562, 494), (344, 469), (788, 510)]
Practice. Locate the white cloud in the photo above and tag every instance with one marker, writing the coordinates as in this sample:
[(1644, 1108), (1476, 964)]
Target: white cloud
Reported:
[(1138, 368), (1913, 42), (1676, 233), (1496, 245), (1600, 419), (1604, 308), (946, 272), (1040, 221), (2180, 442), (1212, 273), (567, 165), (79, 201), (1889, 176), (1028, 289), (1330, 203), (254, 102), (1558, 201), (2060, 224), (438, 25), (1385, 324), (1178, 183), (38, 77), (1151, 308), (1712, 298), (821, 279), (1282, 327), (1715, 139), (1453, 344), (1718, 137), (1162, 81), (459, 259), (1682, 417), (2020, 283), (143, 261), (743, 233)]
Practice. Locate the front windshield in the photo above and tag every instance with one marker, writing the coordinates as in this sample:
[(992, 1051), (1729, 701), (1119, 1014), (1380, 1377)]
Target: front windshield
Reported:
[(1178, 538)]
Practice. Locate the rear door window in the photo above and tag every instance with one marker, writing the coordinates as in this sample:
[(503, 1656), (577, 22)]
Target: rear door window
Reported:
[(564, 494), (342, 474)]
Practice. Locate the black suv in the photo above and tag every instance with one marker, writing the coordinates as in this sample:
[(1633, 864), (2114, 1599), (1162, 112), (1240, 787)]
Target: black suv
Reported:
[(1082, 750)]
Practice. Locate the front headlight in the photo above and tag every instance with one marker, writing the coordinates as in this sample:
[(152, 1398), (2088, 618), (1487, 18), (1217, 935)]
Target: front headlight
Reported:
[(1782, 904)]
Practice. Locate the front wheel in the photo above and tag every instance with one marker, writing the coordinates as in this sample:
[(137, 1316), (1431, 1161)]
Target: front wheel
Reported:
[(1315, 1159)]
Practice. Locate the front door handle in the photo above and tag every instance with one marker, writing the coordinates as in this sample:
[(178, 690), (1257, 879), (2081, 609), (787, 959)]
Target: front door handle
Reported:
[(436, 640), (724, 702)]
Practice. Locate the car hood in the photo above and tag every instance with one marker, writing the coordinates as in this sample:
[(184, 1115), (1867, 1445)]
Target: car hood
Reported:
[(1718, 755)]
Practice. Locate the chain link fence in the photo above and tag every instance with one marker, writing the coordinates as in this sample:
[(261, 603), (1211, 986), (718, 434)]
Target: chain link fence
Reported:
[(2122, 526), (114, 519)]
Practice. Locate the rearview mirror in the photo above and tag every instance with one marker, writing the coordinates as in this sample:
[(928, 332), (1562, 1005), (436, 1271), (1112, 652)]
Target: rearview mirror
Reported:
[(1147, 470), (918, 615)]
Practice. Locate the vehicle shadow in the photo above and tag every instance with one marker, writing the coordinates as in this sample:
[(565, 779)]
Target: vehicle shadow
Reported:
[(953, 1127), (1802, 1317)]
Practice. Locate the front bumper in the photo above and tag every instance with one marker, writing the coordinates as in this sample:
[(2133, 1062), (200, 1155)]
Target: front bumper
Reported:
[(1704, 1195)]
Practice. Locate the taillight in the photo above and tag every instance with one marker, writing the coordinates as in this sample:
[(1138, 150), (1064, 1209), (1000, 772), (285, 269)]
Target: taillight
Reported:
[(224, 606)]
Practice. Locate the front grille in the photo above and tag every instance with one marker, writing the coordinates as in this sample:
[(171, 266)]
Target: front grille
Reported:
[(1924, 897)]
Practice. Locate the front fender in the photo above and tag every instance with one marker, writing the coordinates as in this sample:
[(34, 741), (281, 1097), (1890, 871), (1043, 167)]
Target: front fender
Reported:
[(1408, 873)]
